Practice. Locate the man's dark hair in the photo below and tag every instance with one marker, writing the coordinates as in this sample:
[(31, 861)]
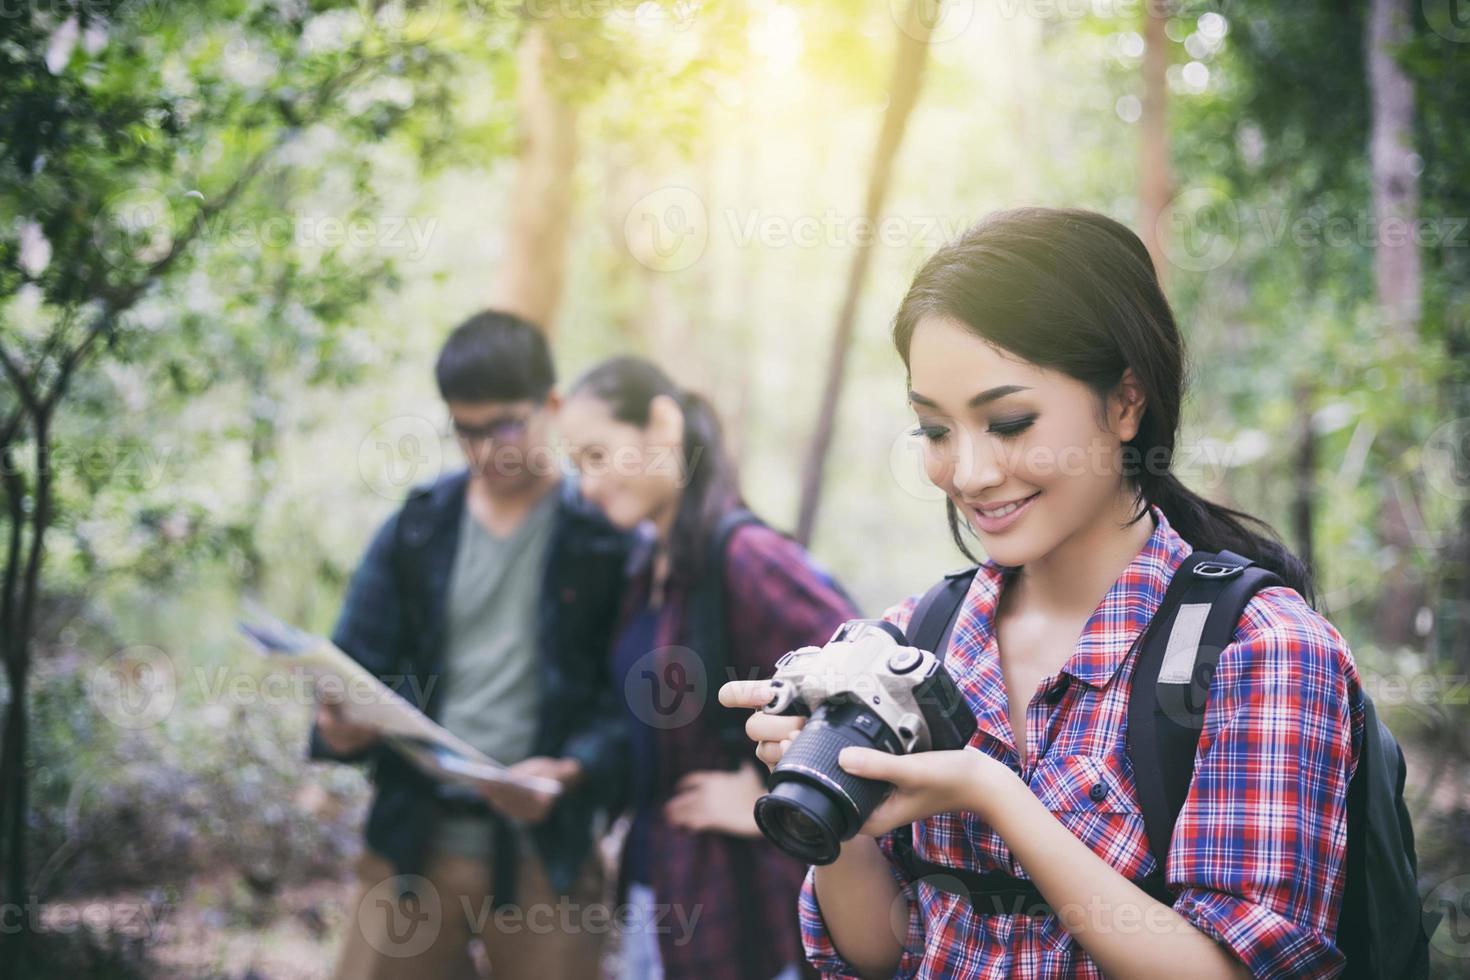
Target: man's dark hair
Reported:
[(495, 357)]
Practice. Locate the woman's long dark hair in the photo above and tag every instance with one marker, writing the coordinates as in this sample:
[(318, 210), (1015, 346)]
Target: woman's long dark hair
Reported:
[(628, 385), (1076, 292)]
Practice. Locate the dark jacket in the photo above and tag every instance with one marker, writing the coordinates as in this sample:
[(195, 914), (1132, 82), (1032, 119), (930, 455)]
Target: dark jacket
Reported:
[(393, 622)]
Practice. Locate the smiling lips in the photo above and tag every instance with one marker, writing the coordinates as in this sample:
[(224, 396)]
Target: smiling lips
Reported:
[(1003, 509), (993, 520)]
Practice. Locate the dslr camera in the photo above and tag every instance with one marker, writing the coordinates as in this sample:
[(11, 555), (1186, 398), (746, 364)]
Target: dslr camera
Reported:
[(867, 687)]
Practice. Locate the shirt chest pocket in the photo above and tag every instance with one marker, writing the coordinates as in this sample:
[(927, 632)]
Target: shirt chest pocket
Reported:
[(1093, 796), (1084, 784)]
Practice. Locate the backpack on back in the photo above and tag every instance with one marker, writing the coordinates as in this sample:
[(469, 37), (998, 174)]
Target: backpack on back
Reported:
[(1380, 929)]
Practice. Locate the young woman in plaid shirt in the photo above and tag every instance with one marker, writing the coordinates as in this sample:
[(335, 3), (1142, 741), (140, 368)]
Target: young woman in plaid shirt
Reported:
[(1047, 374), (722, 901)]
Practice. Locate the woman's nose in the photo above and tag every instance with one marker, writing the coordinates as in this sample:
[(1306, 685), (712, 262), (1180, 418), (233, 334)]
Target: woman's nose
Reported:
[(976, 466)]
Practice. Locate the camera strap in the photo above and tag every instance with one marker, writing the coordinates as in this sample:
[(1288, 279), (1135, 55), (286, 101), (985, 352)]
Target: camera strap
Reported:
[(1177, 655)]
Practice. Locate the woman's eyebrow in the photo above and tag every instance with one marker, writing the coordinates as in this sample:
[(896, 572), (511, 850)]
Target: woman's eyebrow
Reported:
[(988, 395)]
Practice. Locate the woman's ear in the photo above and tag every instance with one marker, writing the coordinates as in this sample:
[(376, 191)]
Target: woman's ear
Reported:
[(665, 421), (1129, 402)]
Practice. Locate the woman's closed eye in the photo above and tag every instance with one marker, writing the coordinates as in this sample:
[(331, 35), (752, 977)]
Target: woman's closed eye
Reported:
[(1005, 428), (930, 431), (1011, 426)]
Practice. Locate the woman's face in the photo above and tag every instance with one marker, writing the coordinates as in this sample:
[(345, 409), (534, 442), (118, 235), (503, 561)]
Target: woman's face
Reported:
[(998, 431), (627, 471)]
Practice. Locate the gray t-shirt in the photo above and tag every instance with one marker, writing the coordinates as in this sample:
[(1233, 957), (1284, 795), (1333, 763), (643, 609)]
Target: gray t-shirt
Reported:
[(492, 685)]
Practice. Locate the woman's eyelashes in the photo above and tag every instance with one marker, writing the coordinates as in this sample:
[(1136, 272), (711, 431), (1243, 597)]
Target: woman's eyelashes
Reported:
[(934, 433), (1005, 428), (1012, 426)]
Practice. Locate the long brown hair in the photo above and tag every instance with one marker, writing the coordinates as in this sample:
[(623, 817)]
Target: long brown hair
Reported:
[(1076, 292)]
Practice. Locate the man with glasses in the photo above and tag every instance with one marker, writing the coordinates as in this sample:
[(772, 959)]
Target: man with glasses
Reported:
[(491, 595)]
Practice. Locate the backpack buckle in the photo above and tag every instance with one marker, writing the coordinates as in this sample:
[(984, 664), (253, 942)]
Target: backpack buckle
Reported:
[(1216, 569)]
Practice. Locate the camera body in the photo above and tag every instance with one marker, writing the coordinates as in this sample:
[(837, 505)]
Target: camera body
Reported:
[(865, 687)]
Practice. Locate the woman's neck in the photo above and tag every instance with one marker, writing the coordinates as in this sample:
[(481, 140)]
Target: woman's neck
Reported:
[(1073, 577)]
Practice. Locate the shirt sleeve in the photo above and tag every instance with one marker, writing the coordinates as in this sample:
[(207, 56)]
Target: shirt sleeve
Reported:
[(370, 626), (815, 940), (1259, 846)]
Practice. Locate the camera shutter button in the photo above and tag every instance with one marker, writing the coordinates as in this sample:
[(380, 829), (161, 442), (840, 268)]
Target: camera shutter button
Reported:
[(904, 659)]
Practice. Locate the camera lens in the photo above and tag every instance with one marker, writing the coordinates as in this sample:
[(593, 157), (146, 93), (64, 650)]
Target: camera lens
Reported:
[(814, 805)]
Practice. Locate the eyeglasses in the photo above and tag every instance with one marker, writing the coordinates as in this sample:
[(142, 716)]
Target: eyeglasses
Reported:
[(506, 427)]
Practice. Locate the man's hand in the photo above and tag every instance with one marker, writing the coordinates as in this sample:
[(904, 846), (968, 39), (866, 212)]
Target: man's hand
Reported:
[(717, 801), (528, 805), (340, 735)]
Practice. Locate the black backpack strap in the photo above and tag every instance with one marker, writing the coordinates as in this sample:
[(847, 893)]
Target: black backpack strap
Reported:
[(1178, 653), (708, 634), (934, 616), (930, 626), (991, 892)]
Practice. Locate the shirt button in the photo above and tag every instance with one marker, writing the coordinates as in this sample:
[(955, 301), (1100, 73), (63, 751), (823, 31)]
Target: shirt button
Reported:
[(1054, 695), (1098, 792)]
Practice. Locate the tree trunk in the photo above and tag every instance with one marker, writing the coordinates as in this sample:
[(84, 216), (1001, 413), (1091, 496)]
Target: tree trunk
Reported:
[(1155, 183), (1304, 488), (17, 615), (529, 279), (1399, 283), (13, 791), (1391, 154), (903, 93)]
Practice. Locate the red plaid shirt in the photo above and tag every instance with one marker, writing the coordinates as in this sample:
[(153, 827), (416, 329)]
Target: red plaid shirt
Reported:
[(775, 600), (1257, 858)]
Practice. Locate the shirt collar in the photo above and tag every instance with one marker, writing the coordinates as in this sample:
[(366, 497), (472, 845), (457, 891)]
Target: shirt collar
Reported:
[(1119, 618)]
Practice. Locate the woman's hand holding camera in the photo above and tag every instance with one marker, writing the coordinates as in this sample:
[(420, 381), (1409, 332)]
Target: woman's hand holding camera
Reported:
[(771, 733), (925, 783)]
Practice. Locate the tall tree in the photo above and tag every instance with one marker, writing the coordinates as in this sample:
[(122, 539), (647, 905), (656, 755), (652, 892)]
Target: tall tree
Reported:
[(1395, 184), (914, 31), (529, 279), (1154, 174)]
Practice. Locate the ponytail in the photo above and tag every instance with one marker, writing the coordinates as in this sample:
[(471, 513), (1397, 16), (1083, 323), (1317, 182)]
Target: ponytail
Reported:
[(1213, 527), (711, 488)]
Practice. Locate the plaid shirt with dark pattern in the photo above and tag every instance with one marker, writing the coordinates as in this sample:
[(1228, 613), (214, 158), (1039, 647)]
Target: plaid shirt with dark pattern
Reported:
[(1257, 857), (775, 600)]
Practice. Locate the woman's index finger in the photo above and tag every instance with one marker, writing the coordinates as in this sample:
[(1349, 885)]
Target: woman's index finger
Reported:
[(745, 694)]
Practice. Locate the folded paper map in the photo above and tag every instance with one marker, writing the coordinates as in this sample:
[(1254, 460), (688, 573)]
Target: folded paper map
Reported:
[(366, 700)]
